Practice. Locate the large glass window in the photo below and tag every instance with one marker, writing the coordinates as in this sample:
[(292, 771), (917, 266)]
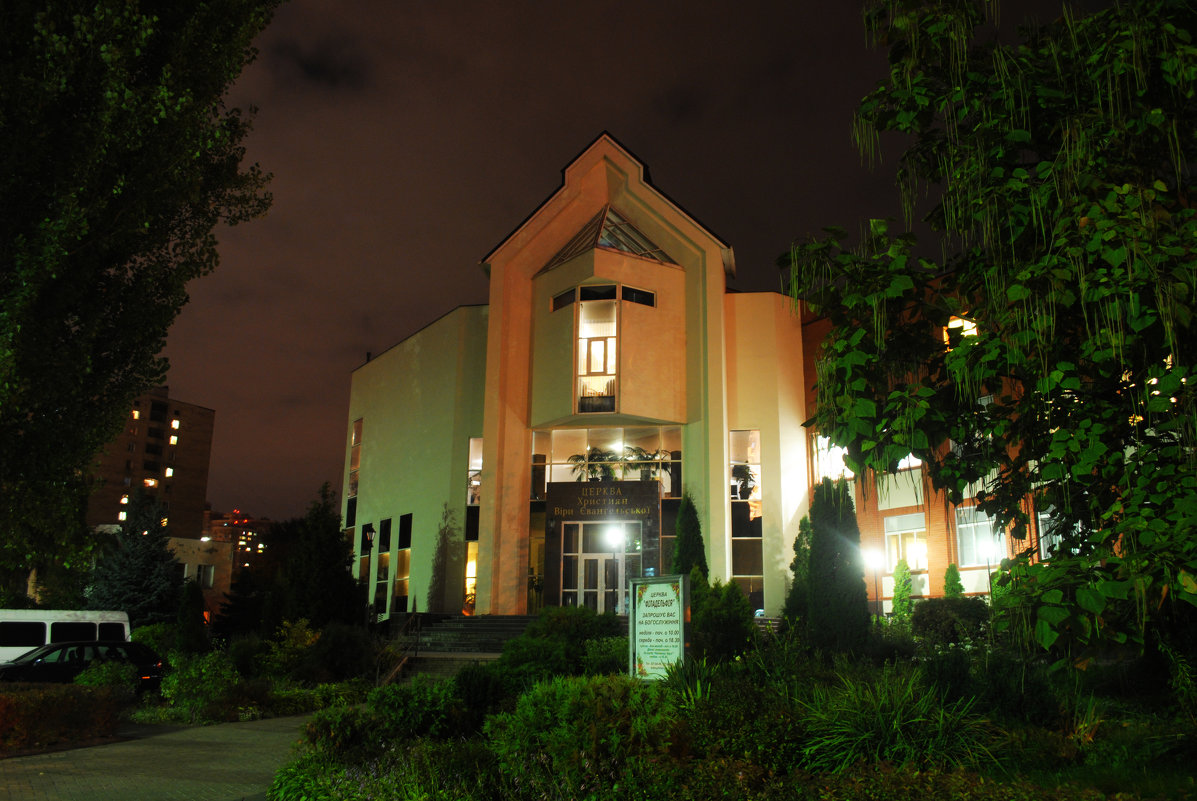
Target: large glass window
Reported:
[(474, 482), (906, 538), (979, 539), (647, 453), (745, 488), (598, 356)]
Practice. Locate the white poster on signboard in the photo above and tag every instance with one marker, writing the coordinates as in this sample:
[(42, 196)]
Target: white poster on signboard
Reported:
[(657, 624)]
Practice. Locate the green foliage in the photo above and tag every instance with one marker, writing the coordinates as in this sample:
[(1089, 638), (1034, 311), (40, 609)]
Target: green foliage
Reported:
[(721, 620), (837, 601), (286, 651), (117, 675), (605, 655), (555, 643), (1060, 198), (574, 736), (944, 621), (158, 637), (118, 160), (797, 600), (484, 688), (191, 630), (40, 715), (138, 573), (892, 719), (313, 581), (419, 708), (689, 551), (196, 684), (902, 605), (953, 587), (341, 652)]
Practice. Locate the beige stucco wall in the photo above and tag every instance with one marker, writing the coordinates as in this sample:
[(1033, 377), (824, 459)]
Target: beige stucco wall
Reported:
[(766, 391), (516, 400), (420, 402)]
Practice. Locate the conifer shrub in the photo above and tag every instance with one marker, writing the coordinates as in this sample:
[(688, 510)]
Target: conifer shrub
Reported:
[(837, 601), (953, 587), (722, 625), (903, 605)]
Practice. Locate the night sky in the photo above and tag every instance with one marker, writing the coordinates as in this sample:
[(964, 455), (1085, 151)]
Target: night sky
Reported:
[(407, 139)]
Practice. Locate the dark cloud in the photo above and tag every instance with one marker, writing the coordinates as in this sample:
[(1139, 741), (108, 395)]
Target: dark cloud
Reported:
[(333, 62)]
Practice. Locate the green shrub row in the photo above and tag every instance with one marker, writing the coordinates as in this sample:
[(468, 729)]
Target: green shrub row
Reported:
[(40, 715)]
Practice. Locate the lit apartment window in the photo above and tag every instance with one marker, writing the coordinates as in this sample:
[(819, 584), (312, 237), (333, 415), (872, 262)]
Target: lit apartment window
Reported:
[(597, 348), (174, 440), (150, 483), (906, 538), (136, 415), (956, 329), (175, 424), (170, 471), (979, 540), (122, 515), (124, 499)]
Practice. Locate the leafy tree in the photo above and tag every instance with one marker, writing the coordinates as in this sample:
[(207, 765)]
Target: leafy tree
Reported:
[(689, 550), (138, 573), (241, 611), (118, 159), (314, 582), (837, 604), (953, 587), (795, 609), (903, 606), (1058, 171)]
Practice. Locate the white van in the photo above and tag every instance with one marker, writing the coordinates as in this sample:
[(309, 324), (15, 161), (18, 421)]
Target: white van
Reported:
[(23, 630)]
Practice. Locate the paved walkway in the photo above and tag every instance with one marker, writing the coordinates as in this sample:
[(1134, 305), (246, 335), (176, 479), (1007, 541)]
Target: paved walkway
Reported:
[(228, 762)]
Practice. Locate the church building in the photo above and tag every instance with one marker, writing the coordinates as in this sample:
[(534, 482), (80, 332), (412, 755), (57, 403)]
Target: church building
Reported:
[(535, 451)]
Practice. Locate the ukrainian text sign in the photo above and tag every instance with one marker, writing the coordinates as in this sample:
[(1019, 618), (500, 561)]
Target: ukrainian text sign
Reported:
[(657, 627)]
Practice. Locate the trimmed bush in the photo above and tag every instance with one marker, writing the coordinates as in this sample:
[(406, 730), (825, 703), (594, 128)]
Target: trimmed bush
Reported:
[(117, 675), (40, 715), (722, 622), (573, 737), (421, 708), (945, 621)]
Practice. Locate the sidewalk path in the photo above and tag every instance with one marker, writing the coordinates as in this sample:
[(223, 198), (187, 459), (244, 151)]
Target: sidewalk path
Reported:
[(227, 762)]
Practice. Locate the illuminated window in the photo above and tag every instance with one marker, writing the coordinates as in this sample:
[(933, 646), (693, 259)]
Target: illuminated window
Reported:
[(150, 482), (474, 482), (980, 541), (122, 515), (124, 499), (174, 440), (909, 462), (136, 415), (597, 349), (170, 471), (906, 538), (829, 460), (164, 522), (174, 424), (956, 329)]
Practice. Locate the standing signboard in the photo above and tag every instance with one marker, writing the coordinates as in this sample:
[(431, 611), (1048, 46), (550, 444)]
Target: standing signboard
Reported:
[(658, 625)]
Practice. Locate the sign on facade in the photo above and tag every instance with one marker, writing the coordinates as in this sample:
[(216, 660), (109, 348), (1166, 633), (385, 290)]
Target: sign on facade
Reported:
[(657, 625)]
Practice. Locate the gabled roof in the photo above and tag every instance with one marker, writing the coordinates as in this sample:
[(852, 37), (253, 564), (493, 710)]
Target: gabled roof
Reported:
[(614, 232)]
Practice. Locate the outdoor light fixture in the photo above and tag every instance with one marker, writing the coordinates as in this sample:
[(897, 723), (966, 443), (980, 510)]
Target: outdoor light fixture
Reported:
[(368, 533), (875, 559), (614, 536)]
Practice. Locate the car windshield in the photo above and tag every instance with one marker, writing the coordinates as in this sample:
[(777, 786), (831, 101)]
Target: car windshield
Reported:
[(36, 653)]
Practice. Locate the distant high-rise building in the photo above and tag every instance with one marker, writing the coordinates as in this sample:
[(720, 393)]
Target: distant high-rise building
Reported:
[(164, 452)]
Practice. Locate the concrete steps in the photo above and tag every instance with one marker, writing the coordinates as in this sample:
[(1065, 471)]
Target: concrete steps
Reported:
[(442, 644)]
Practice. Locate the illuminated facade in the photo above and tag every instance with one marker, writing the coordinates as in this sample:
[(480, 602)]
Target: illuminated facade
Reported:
[(547, 437)]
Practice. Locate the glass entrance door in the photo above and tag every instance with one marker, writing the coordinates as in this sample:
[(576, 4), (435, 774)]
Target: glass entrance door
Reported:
[(597, 561)]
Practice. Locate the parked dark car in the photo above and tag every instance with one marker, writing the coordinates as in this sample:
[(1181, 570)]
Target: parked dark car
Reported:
[(63, 661)]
